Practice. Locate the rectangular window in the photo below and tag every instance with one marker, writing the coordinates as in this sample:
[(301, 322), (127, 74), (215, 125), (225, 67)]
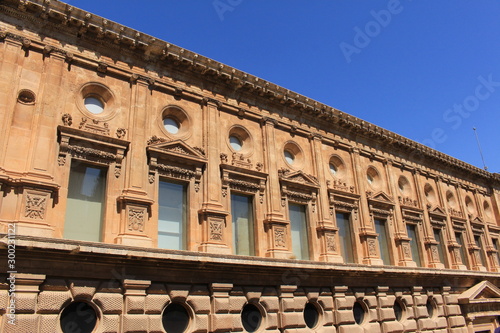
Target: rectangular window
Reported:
[(496, 246), (460, 241), (298, 229), (85, 204), (412, 234), (438, 239), (479, 244), (242, 213), (345, 236), (383, 241), (172, 208)]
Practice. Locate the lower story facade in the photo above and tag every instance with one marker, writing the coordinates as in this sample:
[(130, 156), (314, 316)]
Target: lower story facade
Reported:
[(55, 285)]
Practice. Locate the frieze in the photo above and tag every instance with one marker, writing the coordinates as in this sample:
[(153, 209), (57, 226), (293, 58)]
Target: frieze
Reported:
[(407, 201)]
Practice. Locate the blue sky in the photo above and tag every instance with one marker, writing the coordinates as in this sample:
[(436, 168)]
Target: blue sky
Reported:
[(428, 70)]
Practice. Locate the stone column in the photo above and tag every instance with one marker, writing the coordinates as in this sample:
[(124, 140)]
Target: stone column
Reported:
[(213, 214), (277, 227), (134, 203)]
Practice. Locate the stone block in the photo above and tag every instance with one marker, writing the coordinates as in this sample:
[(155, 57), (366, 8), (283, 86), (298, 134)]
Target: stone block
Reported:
[(221, 304), (426, 324), (178, 292), (109, 302), (83, 288), (344, 302), (236, 303), (392, 326), (452, 310), (200, 323), (49, 323), (199, 303), (288, 304), (441, 322), (134, 304), (24, 323), (456, 321), (110, 324), (26, 302), (410, 325), (451, 299), (222, 322), (326, 329), (442, 330), (328, 318), (386, 314), (155, 323), (135, 323), (52, 301), (420, 300), (420, 312), (272, 321), (351, 329), (326, 302), (270, 303), (372, 328), (4, 299), (344, 316), (291, 319), (155, 303)]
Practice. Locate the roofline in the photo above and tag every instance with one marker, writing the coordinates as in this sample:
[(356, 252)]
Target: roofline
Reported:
[(151, 47)]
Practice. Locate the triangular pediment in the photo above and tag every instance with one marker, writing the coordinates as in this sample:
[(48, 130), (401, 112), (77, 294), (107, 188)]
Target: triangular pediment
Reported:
[(477, 220), (299, 178), (437, 211), (175, 147), (381, 197), (480, 292)]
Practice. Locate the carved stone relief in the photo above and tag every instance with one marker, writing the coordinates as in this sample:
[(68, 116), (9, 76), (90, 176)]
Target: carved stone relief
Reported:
[(136, 218), (280, 237), (35, 205), (331, 246), (216, 229), (372, 247), (406, 250)]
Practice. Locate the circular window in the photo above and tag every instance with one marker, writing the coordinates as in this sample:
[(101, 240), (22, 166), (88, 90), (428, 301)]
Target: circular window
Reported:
[(235, 143), (469, 205), (450, 198), (336, 166), (398, 310), (171, 125), (429, 193), (78, 317), (175, 318), (95, 99), (358, 312), (372, 176), (487, 209), (333, 169), (93, 104), (311, 315), (430, 307), (251, 318), (175, 122), (26, 96), (403, 185), (289, 157)]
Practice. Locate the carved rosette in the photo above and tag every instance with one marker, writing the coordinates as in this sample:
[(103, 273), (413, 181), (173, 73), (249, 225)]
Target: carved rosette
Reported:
[(92, 147), (175, 160)]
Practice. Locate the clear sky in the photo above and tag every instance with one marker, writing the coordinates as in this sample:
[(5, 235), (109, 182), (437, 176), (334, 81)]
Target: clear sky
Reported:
[(428, 70)]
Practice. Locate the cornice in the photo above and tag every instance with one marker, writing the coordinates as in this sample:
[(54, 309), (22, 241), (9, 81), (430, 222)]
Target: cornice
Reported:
[(95, 29)]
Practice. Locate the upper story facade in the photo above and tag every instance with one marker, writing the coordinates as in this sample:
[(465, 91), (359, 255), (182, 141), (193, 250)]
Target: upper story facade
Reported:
[(113, 136)]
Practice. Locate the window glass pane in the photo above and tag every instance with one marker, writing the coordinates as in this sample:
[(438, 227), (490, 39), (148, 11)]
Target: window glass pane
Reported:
[(93, 105), (383, 241), (345, 236), (289, 157), (437, 237), (251, 318), (175, 318), (412, 234), (235, 143), (78, 317), (477, 240), (171, 125), (459, 239), (85, 204), (495, 245), (171, 216), (298, 226), (242, 213)]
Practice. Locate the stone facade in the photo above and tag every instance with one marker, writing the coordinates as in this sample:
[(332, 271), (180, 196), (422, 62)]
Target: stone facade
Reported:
[(417, 251)]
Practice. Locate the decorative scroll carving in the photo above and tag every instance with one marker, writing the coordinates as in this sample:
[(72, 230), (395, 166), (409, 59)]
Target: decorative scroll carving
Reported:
[(223, 158), (406, 250), (339, 185), (121, 132), (67, 119), (35, 205), (154, 140), (434, 253), (94, 127), (136, 219), (457, 255), (216, 228), (280, 237), (241, 161), (456, 213)]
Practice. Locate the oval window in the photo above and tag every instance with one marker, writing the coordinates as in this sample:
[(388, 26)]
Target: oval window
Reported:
[(311, 315), (171, 125), (430, 308), (78, 317), (251, 318), (94, 105), (398, 310), (175, 318), (359, 313), (333, 169)]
